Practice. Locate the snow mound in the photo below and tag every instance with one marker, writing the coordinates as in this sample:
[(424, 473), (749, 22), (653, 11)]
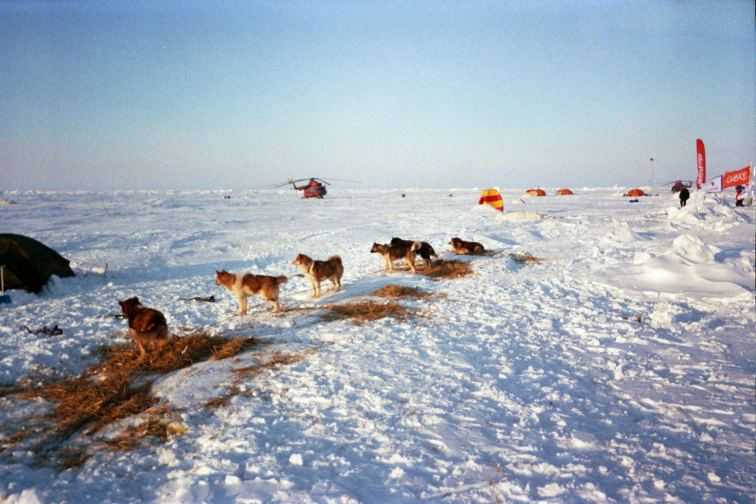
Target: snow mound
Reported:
[(621, 232), (689, 267), (693, 249), (706, 213), (28, 496)]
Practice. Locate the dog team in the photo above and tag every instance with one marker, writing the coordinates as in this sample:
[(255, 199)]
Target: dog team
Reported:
[(148, 327)]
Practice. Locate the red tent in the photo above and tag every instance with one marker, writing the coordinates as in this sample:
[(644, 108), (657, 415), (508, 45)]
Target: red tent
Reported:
[(634, 193), (564, 192), (535, 192)]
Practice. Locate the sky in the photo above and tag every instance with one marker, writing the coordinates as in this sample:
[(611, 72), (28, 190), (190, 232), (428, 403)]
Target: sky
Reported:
[(198, 95)]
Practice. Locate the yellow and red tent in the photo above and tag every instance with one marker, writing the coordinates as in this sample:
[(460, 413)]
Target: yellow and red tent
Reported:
[(492, 197)]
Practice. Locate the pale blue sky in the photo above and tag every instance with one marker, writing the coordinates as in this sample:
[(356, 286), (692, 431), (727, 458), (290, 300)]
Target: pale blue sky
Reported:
[(109, 95)]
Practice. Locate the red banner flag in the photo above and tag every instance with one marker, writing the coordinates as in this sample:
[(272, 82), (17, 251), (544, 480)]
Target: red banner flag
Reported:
[(737, 177), (701, 163)]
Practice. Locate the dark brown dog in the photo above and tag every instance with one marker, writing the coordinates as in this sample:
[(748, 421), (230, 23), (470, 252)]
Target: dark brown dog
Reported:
[(317, 271), (242, 286), (391, 254), (462, 247), (401, 249), (147, 326), (423, 249)]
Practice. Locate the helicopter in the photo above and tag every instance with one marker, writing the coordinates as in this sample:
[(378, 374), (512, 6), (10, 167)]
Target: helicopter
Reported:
[(312, 187)]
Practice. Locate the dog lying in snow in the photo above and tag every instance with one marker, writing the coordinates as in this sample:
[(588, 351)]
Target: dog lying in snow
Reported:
[(147, 326), (242, 286), (462, 247), (317, 271)]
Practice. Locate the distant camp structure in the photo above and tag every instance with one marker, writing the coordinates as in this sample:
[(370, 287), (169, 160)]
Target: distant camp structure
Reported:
[(311, 188), (678, 185), (565, 192), (535, 192), (634, 193), (29, 263), (493, 198)]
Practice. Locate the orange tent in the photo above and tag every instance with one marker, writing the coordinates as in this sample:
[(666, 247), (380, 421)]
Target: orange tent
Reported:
[(493, 198), (564, 192), (635, 193), (535, 192)]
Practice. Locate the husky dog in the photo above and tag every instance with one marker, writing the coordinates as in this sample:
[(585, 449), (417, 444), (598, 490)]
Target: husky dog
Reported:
[(317, 271), (391, 253), (424, 249), (402, 249), (462, 247), (242, 286), (147, 326)]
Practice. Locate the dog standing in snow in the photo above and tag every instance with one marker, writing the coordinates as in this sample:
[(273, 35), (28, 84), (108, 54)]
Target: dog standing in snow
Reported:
[(147, 326), (390, 254), (421, 248), (424, 250), (317, 271), (402, 249), (242, 286)]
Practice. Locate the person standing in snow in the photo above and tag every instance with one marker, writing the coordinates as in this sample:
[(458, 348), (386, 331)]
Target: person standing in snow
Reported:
[(684, 195), (739, 195)]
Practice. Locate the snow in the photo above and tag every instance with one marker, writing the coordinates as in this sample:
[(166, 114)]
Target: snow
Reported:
[(621, 368)]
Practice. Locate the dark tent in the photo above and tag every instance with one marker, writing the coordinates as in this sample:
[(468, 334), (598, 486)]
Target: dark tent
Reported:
[(29, 263)]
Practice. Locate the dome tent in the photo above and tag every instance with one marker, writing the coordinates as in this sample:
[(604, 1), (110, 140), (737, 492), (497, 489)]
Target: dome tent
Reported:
[(493, 198), (634, 193), (535, 192), (29, 263), (564, 192)]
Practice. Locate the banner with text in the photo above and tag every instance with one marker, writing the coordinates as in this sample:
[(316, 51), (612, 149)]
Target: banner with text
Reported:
[(737, 177)]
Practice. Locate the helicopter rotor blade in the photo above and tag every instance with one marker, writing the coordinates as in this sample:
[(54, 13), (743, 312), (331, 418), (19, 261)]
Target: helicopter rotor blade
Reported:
[(349, 181)]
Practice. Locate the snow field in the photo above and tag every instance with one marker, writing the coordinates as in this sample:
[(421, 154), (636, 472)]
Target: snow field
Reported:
[(619, 369)]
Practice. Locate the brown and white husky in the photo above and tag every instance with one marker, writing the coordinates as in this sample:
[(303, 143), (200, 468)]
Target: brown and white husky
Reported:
[(242, 286), (317, 271), (394, 251)]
